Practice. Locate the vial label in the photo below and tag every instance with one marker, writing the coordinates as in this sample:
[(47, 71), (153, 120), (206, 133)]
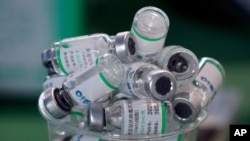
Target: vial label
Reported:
[(82, 137), (144, 117), (211, 76), (91, 89), (148, 48), (76, 54), (130, 73), (54, 82)]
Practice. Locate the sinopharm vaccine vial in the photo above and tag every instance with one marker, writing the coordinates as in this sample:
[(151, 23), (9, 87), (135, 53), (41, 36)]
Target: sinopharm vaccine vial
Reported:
[(150, 27), (148, 80), (182, 62), (132, 117), (81, 52), (85, 86), (191, 99)]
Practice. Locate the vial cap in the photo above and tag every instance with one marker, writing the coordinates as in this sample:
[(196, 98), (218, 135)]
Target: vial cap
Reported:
[(125, 47), (161, 84), (46, 57), (96, 116), (187, 107), (54, 106), (182, 62)]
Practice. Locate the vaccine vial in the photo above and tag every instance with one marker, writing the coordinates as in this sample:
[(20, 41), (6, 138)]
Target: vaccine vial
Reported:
[(150, 27), (181, 61), (194, 97), (81, 52), (210, 77), (132, 117), (85, 86), (148, 80)]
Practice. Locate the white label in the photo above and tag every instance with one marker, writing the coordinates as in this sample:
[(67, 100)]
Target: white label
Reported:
[(129, 87), (90, 90), (143, 117), (77, 53), (54, 82), (148, 49), (210, 76), (82, 137)]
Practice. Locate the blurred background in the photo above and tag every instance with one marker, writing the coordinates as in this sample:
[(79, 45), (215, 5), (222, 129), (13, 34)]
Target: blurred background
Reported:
[(218, 29)]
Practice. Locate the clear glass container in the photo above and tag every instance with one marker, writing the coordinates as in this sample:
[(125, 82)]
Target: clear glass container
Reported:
[(150, 27), (148, 80), (81, 52)]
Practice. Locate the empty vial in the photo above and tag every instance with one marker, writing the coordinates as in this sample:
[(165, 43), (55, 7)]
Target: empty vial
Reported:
[(132, 117), (150, 27), (84, 86), (72, 53), (148, 80), (194, 97), (181, 61)]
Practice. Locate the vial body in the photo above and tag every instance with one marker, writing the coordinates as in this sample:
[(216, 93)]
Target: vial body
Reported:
[(81, 52), (210, 76), (78, 88), (181, 61), (138, 117), (191, 99), (150, 26), (72, 53), (148, 80), (107, 76)]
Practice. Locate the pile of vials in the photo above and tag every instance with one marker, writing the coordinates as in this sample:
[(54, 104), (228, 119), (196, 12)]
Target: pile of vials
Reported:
[(129, 84)]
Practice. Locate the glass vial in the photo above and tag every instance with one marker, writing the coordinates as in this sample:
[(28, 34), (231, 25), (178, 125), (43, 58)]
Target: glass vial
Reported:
[(84, 86), (181, 61), (72, 53), (132, 117), (191, 99), (150, 27), (147, 80)]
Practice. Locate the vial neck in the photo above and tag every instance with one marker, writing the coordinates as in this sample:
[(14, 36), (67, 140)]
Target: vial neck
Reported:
[(65, 97)]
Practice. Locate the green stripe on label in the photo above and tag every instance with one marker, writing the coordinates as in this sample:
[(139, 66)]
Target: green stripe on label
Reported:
[(164, 117), (179, 138), (144, 37), (104, 78), (106, 81), (75, 113), (96, 61), (219, 67), (99, 139), (58, 56)]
